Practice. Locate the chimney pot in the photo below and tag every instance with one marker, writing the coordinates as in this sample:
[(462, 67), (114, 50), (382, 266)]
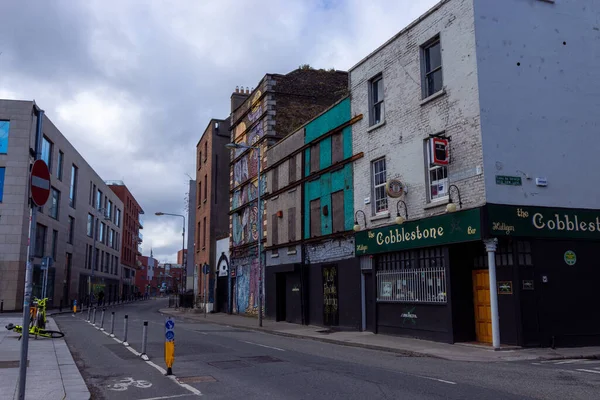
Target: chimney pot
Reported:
[(237, 89)]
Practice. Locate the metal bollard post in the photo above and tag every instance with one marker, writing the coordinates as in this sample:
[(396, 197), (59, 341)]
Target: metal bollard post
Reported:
[(1, 306), (102, 319), (145, 341), (94, 317), (125, 335), (112, 324), (89, 311)]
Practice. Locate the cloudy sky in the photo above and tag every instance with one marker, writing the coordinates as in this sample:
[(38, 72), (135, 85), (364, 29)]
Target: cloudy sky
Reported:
[(133, 83)]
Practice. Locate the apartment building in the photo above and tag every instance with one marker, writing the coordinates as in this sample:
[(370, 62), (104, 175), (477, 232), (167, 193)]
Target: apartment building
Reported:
[(132, 238), (212, 198), (78, 231), (474, 132), (260, 118)]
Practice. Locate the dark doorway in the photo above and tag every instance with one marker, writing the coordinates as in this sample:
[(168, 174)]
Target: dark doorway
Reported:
[(221, 294), (369, 302), (331, 312), (280, 289)]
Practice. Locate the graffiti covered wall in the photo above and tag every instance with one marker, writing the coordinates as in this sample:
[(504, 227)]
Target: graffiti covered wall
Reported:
[(247, 283)]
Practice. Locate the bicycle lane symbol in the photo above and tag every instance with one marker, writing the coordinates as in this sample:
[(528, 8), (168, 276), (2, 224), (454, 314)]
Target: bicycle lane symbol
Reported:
[(124, 384)]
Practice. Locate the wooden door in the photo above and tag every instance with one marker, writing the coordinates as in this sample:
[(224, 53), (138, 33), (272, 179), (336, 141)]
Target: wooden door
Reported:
[(483, 309)]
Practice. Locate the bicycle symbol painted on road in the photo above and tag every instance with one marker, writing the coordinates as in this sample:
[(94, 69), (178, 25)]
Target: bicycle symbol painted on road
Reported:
[(124, 384)]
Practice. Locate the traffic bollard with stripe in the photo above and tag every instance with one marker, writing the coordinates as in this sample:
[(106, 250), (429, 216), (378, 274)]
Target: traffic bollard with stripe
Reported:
[(89, 311), (125, 335), (102, 319), (94, 317), (112, 324), (145, 341)]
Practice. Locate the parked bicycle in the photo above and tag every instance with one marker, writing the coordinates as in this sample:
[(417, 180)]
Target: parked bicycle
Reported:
[(37, 324)]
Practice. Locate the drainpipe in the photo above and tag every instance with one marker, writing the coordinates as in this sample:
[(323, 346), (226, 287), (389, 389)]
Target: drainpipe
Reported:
[(490, 247)]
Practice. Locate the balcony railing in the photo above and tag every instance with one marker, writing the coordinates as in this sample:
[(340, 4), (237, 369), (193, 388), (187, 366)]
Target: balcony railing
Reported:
[(140, 237), (141, 221)]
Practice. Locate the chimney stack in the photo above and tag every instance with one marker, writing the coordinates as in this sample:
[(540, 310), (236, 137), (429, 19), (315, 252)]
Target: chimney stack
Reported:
[(238, 97)]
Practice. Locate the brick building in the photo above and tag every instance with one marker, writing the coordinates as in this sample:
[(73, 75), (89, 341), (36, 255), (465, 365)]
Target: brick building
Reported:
[(312, 275), (182, 256), (466, 114), (211, 220), (79, 205), (146, 277), (279, 105), (132, 237)]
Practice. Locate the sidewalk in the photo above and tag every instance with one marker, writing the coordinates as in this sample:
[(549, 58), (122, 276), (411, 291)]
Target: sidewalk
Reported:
[(396, 344), (51, 374)]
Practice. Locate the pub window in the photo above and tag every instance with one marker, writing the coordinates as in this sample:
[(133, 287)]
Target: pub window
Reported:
[(315, 218), (431, 55), (378, 181), (274, 229), (291, 224), (337, 148), (314, 158), (412, 276), (275, 180), (524, 253), (337, 211), (292, 169)]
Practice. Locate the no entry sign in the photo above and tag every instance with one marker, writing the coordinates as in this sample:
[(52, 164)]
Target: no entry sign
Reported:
[(40, 183)]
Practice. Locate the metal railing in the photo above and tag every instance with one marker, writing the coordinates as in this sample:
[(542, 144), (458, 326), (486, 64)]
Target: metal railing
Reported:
[(427, 285)]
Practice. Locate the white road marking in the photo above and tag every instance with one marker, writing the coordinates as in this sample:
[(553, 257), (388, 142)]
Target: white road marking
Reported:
[(262, 345), (174, 379), (203, 333), (589, 370), (567, 362), (167, 397), (133, 351), (436, 379)]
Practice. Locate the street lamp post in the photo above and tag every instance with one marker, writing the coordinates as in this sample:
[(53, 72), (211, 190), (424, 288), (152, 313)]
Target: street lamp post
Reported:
[(182, 244), (259, 228)]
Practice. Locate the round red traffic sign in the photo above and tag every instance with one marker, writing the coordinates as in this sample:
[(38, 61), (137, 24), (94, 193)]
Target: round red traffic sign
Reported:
[(40, 183)]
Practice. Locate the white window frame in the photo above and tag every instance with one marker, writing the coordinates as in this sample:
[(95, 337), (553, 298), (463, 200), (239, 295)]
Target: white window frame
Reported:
[(438, 170), (425, 74), (373, 83), (375, 186)]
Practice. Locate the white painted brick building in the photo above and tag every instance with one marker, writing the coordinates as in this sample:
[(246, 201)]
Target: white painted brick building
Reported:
[(410, 118)]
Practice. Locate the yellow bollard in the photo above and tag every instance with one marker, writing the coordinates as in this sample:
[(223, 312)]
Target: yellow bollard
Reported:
[(169, 344)]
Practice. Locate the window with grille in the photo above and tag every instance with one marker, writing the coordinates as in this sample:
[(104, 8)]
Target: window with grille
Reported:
[(432, 67), (380, 203), (376, 99), (412, 276)]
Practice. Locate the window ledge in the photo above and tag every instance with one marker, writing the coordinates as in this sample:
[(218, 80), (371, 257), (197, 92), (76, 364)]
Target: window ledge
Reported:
[(274, 255), (292, 190), (434, 96), (376, 126), (292, 252), (380, 216), (274, 197), (437, 203), (204, 201)]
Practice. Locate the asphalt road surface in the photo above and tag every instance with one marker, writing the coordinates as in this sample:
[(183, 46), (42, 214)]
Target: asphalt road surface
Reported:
[(220, 362)]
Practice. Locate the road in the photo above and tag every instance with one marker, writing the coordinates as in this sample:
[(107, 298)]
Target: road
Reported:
[(221, 362)]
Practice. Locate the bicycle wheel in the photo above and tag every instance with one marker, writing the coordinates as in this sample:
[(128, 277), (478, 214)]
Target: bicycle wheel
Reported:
[(51, 334)]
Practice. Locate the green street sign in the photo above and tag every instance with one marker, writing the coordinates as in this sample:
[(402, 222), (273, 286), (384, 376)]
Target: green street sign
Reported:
[(463, 226), (508, 180), (543, 222)]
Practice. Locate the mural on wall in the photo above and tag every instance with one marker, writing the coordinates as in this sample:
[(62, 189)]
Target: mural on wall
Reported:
[(245, 226), (247, 285)]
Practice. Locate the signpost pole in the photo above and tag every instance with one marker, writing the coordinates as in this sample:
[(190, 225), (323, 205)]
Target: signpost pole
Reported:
[(169, 344), (29, 268)]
